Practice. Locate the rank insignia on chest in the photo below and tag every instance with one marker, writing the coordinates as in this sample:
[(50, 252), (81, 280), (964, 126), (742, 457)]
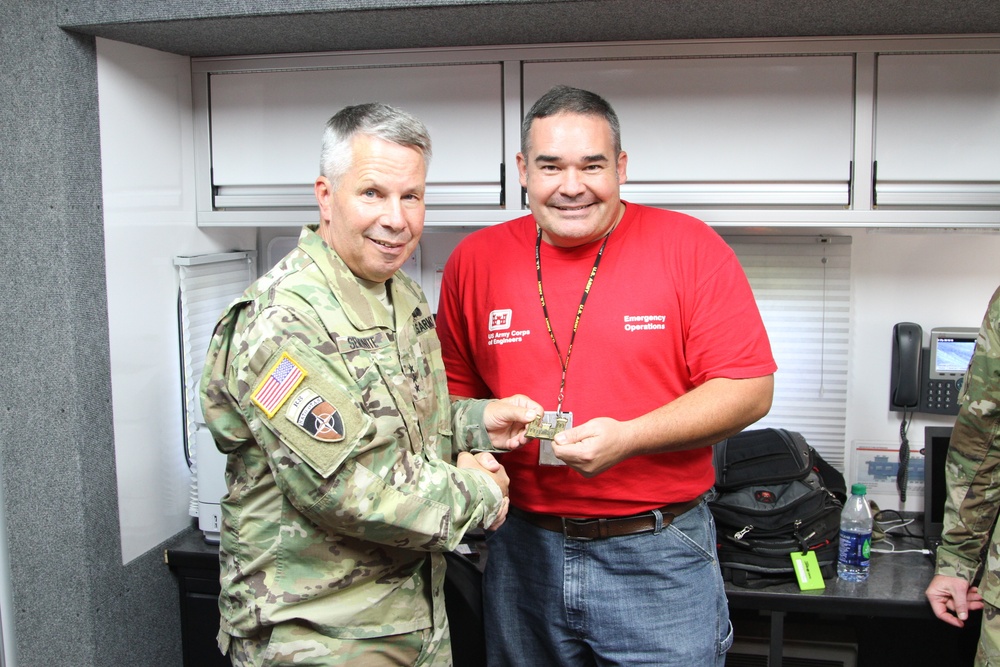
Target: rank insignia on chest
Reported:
[(278, 384)]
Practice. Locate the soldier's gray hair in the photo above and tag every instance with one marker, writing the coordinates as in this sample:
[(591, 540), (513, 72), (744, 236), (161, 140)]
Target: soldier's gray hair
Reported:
[(565, 99), (373, 119)]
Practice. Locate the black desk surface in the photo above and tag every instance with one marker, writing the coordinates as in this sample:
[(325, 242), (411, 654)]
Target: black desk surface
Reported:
[(190, 550), (895, 587)]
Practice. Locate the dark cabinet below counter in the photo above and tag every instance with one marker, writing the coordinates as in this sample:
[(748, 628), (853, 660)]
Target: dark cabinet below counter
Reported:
[(196, 565)]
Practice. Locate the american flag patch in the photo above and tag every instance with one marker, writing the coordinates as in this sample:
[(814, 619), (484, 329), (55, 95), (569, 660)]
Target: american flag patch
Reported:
[(280, 382)]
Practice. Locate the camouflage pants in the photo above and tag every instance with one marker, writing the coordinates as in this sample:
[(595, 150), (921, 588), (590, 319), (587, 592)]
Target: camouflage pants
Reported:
[(299, 645), (988, 651)]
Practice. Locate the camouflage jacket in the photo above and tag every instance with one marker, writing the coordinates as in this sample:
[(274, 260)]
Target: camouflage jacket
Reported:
[(972, 470), (338, 429)]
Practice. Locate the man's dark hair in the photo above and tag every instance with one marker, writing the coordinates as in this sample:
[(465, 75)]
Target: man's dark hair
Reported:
[(565, 99)]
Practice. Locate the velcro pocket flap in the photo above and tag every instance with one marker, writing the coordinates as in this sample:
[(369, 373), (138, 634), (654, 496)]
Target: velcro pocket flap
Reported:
[(319, 421)]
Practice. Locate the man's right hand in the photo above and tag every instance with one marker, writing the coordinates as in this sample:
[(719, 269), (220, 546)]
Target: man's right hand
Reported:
[(487, 463), (952, 599)]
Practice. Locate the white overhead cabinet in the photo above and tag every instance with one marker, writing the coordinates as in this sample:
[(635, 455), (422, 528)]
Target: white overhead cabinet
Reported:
[(828, 132), (937, 130), (771, 131), (266, 128)]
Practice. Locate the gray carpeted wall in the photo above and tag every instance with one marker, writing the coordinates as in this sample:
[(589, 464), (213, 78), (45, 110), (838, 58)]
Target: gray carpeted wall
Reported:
[(74, 603)]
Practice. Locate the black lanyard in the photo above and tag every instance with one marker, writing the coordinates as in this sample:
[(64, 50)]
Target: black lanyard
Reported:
[(579, 311)]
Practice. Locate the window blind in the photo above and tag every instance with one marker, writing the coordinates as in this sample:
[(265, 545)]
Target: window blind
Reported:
[(207, 285), (802, 287)]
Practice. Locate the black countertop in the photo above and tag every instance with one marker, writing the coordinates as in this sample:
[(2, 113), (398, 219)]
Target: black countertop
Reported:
[(190, 550), (895, 587)]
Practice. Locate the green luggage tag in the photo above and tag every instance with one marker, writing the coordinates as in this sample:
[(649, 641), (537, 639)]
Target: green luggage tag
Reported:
[(807, 571)]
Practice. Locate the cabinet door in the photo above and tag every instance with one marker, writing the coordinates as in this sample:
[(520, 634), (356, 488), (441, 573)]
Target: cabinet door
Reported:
[(770, 130), (937, 130), (266, 129)]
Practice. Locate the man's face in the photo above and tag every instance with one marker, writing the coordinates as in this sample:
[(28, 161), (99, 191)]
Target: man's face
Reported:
[(573, 177), (375, 216)]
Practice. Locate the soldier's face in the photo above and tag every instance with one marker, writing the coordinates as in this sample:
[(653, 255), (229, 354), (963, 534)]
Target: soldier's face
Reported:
[(375, 216), (573, 177)]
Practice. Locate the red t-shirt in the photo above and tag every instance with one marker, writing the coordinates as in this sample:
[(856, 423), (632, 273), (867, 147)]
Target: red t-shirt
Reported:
[(669, 309)]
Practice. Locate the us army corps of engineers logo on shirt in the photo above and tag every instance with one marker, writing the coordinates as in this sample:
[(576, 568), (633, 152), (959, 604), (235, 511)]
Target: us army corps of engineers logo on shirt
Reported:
[(316, 416), (500, 332)]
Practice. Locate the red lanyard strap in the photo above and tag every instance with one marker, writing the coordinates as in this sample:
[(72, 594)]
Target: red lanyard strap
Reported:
[(579, 310)]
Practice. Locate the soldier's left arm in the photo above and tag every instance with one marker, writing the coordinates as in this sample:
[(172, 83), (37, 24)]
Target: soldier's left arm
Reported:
[(492, 425)]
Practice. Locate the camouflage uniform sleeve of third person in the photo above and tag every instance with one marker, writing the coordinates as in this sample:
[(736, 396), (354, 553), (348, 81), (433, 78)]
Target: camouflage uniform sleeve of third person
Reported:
[(973, 461)]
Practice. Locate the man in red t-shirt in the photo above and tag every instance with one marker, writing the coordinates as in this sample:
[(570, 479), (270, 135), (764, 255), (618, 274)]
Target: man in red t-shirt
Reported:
[(637, 330)]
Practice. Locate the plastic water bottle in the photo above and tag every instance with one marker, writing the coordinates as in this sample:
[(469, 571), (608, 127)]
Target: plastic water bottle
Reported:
[(855, 536)]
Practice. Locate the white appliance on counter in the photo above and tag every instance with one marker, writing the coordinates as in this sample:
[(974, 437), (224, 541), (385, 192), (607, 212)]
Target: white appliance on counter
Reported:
[(210, 482), (207, 285)]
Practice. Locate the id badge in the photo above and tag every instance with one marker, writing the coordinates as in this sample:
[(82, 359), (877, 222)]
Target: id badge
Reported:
[(545, 428)]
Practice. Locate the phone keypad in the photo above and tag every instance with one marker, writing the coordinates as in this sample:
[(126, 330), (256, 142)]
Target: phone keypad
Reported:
[(941, 397)]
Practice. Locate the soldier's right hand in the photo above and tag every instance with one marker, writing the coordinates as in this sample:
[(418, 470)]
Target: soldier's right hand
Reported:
[(501, 516), (487, 463)]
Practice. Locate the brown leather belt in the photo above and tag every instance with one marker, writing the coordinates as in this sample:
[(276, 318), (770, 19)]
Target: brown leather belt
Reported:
[(595, 529)]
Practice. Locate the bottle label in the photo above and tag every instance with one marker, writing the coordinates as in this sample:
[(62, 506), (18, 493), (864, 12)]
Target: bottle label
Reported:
[(855, 548)]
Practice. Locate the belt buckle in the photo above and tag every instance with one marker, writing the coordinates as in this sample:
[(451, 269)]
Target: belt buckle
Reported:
[(565, 523), (576, 522)]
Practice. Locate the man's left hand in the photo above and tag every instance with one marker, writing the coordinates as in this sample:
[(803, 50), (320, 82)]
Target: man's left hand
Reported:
[(592, 447)]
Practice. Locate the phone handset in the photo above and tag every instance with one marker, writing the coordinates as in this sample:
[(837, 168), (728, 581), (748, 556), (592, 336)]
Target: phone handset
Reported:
[(904, 386)]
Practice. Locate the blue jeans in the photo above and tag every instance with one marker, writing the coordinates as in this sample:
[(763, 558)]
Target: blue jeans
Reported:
[(649, 599)]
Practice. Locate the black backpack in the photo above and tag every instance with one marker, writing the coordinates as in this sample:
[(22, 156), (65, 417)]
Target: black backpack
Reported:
[(774, 495)]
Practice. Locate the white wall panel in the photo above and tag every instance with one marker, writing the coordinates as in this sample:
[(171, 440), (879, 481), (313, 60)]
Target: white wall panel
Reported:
[(933, 278), (149, 217)]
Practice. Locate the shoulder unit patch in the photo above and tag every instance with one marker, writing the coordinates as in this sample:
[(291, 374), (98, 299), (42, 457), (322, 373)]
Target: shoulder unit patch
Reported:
[(316, 416)]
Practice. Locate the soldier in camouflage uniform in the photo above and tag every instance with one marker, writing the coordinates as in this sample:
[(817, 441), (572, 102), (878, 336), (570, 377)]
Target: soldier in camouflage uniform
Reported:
[(971, 476), (325, 387)]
